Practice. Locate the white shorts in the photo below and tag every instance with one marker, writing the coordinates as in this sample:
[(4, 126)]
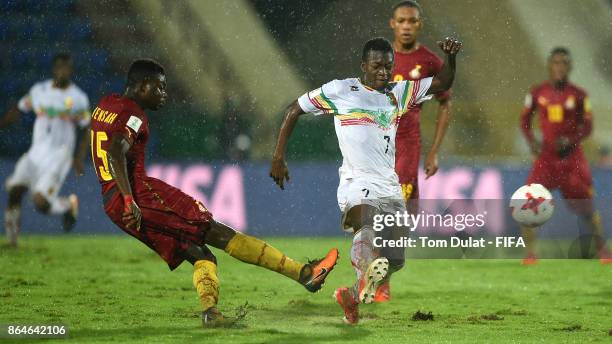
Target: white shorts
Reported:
[(388, 198), (45, 175)]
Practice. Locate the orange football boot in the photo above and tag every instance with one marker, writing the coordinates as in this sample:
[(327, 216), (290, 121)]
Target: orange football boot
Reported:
[(320, 269), (530, 259), (374, 276), (349, 305), (383, 292), (605, 256)]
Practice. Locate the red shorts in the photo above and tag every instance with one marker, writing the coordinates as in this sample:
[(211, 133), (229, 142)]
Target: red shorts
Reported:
[(407, 157), (171, 220), (572, 176)]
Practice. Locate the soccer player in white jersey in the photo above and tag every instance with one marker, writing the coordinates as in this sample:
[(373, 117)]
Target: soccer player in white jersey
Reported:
[(60, 107), (366, 113)]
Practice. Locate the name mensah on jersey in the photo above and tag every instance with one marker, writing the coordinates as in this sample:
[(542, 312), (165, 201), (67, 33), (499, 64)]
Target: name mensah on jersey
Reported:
[(103, 116)]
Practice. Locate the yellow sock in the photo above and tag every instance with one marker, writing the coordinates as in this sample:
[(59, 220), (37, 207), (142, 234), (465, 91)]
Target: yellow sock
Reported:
[(206, 283), (529, 234), (254, 251)]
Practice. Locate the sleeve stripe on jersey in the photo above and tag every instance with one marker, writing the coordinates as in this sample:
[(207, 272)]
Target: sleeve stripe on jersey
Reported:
[(407, 90), (315, 103), (408, 85), (323, 103), (414, 91), (329, 101)]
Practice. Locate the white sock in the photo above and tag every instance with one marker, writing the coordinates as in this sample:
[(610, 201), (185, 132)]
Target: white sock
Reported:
[(11, 224), (59, 205), (363, 251)]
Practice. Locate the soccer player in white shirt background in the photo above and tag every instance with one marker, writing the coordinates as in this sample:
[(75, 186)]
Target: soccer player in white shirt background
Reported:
[(366, 113), (60, 107)]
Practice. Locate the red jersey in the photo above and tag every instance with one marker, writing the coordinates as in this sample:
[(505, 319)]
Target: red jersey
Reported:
[(421, 63), (562, 112), (172, 221), (118, 114)]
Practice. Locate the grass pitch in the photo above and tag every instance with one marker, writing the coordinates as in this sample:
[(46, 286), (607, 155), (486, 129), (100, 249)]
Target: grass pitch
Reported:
[(113, 289)]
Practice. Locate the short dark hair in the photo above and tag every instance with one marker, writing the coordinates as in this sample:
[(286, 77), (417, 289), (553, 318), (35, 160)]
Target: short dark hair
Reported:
[(65, 57), (407, 3), (559, 50), (376, 44), (143, 69)]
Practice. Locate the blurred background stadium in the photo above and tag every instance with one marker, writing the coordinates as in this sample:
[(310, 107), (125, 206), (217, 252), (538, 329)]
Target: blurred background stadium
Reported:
[(234, 65)]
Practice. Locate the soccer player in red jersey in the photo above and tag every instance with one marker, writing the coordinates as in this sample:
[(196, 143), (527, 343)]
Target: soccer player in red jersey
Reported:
[(162, 217), (414, 61), (565, 119)]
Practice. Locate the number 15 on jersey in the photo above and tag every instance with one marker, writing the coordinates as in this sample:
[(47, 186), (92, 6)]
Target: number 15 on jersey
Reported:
[(99, 156)]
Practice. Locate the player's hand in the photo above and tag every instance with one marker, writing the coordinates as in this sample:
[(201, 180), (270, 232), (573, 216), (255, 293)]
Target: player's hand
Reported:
[(431, 164), (450, 46), (279, 172), (564, 146), (78, 167), (131, 213)]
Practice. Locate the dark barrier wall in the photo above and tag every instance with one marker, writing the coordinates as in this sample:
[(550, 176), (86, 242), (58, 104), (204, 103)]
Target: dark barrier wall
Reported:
[(245, 197)]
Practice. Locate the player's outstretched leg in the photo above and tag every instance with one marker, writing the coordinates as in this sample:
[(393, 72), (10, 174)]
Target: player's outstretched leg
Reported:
[(363, 251), (396, 257), (257, 252), (362, 255), (12, 214), (371, 269)]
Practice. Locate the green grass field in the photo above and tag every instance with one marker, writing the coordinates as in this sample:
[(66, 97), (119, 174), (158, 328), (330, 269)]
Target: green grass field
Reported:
[(113, 289)]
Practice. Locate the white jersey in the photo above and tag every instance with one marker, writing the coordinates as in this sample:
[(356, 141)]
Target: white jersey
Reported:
[(58, 111), (366, 121)]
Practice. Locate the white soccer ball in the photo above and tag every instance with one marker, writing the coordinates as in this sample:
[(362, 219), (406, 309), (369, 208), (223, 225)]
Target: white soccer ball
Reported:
[(532, 205)]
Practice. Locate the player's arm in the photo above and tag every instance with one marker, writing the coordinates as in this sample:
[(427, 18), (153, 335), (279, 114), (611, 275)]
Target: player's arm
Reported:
[(120, 144), (584, 127), (526, 119), (10, 117), (585, 120), (444, 79), (279, 171), (81, 151), (24, 105), (83, 133), (317, 102), (444, 115)]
